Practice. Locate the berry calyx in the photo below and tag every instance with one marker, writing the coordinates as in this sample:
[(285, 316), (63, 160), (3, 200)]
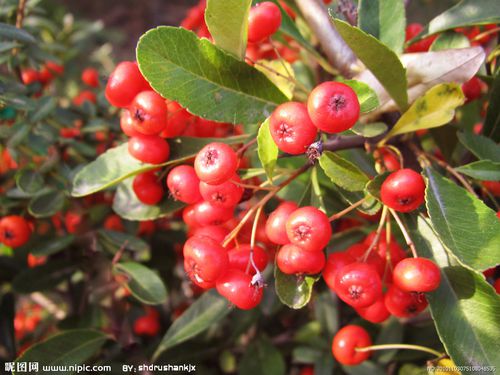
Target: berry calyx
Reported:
[(292, 259), (404, 304), (358, 284), (147, 188), (149, 113), (345, 343), (309, 228), (15, 231), (227, 194), (237, 287), (149, 149), (215, 163), (127, 124), (263, 21), (403, 190), (184, 184), (416, 275)]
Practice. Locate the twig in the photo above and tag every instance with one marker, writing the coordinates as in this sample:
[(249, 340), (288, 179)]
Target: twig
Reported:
[(119, 253), (347, 210), (50, 306), (377, 234), (406, 235)]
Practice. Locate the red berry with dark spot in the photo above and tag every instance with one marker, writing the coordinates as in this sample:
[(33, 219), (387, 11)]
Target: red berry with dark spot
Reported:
[(149, 149), (292, 259), (403, 190), (404, 304), (149, 113), (416, 275), (237, 287), (333, 107), (276, 223), (358, 284), (124, 83), (227, 194), (15, 231), (127, 124), (239, 258), (90, 77), (216, 163), (345, 343), (184, 184), (334, 263), (291, 128), (147, 188), (263, 21), (309, 228)]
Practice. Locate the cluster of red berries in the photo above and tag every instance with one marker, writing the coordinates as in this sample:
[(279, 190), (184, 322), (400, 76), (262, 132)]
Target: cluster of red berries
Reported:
[(15, 231), (90, 77), (44, 76)]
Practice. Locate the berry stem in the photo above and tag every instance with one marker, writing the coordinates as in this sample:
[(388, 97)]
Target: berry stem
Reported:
[(252, 240), (377, 233), (347, 210), (241, 151), (406, 235), (399, 346)]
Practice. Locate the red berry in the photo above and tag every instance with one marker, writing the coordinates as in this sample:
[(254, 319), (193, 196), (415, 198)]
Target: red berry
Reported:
[(146, 326), (184, 184), (149, 113), (208, 214), (124, 84), (388, 158), (34, 260), (334, 263), (29, 76), (90, 77), (496, 285), (217, 232), (333, 107), (54, 67), (205, 260), (237, 287), (276, 223), (403, 190), (412, 30), (416, 275), (227, 194), (84, 96), (309, 228), (114, 222), (403, 304), (126, 123), (239, 258), (472, 89), (147, 188), (493, 187), (149, 149), (358, 252), (345, 343), (292, 259), (291, 128), (264, 20), (216, 163), (15, 231), (375, 313), (189, 216), (177, 120), (358, 284)]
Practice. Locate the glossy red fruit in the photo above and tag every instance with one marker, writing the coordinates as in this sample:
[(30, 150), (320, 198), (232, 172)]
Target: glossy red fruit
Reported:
[(15, 231), (404, 304), (237, 287), (215, 163), (126, 124), (177, 120), (493, 187), (217, 232), (90, 77), (114, 222), (34, 261), (184, 184), (472, 89), (412, 30), (358, 252), (403, 190), (375, 313), (276, 222), (149, 149), (292, 259), (239, 258), (146, 326), (227, 194), (149, 113), (358, 284), (189, 216), (147, 188), (84, 96), (291, 128), (29, 76), (387, 158), (264, 20), (124, 84), (345, 343), (334, 263), (205, 260), (333, 107), (208, 214), (309, 228), (416, 275)]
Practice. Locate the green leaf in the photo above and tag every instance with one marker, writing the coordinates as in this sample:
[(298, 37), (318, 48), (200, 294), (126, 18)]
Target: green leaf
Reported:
[(484, 170), (68, 348), (317, 199), (143, 283), (47, 204), (371, 130), (127, 205), (294, 291), (204, 79), (450, 40), (29, 181), (227, 21), (262, 357), (52, 246), (115, 240), (267, 149), (380, 60), (364, 368), (463, 299), (342, 172), (326, 311), (47, 276), (11, 32), (116, 164), (367, 97), (482, 147), (374, 185), (385, 20), (202, 314), (435, 108), (391, 332), (491, 127), (280, 73), (468, 228), (44, 107)]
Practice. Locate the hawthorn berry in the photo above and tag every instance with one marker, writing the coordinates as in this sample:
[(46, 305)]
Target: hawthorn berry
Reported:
[(217, 232), (126, 124), (291, 128), (149, 113), (239, 258), (177, 120), (84, 96), (412, 30), (263, 21), (309, 228), (149, 149), (147, 188), (124, 83), (147, 325), (345, 342), (114, 222), (237, 287), (215, 163), (189, 216), (358, 284), (387, 157), (90, 77), (34, 261), (493, 187), (184, 184), (416, 275), (403, 190), (29, 76), (276, 223), (472, 89), (205, 260), (292, 259), (227, 194), (404, 304), (208, 214), (358, 251), (333, 107), (15, 231), (375, 313), (335, 262)]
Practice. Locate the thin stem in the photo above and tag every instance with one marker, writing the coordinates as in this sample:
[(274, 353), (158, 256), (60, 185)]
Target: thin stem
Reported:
[(347, 210), (377, 234), (253, 187), (399, 346), (20, 13), (119, 253), (241, 151), (406, 235), (252, 240)]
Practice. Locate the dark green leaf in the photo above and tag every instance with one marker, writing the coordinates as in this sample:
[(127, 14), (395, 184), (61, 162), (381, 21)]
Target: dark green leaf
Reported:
[(11, 32), (262, 357), (47, 276), (44, 107), (491, 126), (371, 130), (47, 204), (482, 170), (326, 312), (391, 332), (52, 246), (342, 172), (294, 291), (204, 79), (267, 149), (364, 368), (306, 354), (324, 365), (367, 97), (7, 315), (449, 40), (482, 147), (118, 239), (29, 181)]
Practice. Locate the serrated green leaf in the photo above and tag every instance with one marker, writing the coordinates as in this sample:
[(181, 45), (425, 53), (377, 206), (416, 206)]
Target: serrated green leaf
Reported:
[(47, 204), (227, 21), (29, 181), (204, 79), (484, 170), (262, 357), (468, 228), (484, 148), (374, 185), (342, 172), (367, 97), (280, 73), (11, 32), (143, 283), (267, 149), (52, 246), (294, 291), (379, 59), (449, 40)]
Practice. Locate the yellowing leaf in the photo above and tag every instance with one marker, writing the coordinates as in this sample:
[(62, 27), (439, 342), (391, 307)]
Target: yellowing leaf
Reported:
[(435, 108), (280, 73), (267, 149)]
